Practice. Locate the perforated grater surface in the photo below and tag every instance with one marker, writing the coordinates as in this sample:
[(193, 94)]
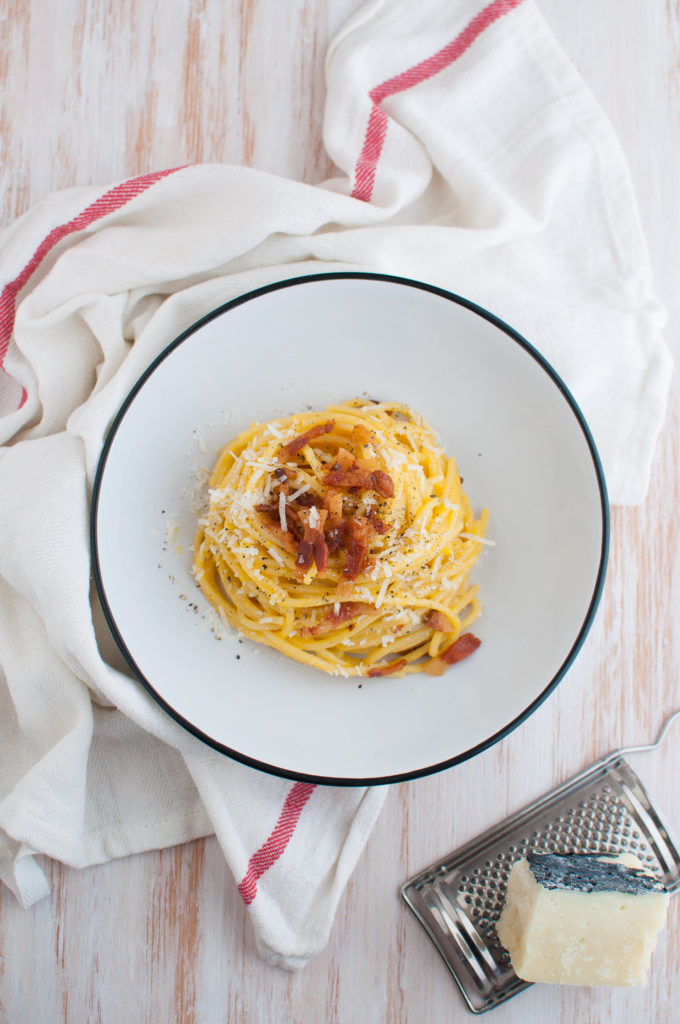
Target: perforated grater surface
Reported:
[(459, 899)]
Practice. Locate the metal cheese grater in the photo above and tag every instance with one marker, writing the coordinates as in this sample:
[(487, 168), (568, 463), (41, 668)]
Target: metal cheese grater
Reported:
[(459, 899)]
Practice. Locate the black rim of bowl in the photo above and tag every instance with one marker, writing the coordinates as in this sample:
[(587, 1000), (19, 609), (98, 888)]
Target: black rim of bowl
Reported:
[(276, 770)]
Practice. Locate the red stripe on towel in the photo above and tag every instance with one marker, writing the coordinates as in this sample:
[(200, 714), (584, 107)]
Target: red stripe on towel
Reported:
[(277, 841), (367, 164), (109, 202)]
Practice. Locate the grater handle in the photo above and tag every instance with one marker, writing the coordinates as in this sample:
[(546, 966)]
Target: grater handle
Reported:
[(649, 746), (673, 887)]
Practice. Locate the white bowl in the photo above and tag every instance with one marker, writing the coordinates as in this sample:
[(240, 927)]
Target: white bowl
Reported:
[(525, 453)]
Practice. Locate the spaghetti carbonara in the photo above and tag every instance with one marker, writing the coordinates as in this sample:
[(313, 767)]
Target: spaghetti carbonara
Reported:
[(343, 539)]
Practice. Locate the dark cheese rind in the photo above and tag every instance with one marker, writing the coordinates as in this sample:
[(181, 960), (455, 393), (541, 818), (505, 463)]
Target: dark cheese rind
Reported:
[(584, 872)]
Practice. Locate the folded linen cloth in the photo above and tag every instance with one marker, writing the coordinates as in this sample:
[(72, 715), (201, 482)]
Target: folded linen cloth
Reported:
[(472, 156)]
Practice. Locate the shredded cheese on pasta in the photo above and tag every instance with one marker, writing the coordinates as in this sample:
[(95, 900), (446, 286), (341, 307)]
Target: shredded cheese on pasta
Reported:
[(343, 539)]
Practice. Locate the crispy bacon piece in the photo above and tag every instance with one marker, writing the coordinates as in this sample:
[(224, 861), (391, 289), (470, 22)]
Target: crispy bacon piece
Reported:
[(347, 610), (312, 548), (379, 525), (439, 622), (357, 544), (321, 553), (335, 538), (285, 538), (332, 502), (306, 499), (462, 648), (293, 522), (346, 477), (274, 524), (363, 479), (361, 434), (389, 669), (293, 447), (304, 558), (335, 534), (343, 459), (383, 483)]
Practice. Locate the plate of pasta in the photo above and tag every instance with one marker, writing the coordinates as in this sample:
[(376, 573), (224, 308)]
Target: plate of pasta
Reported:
[(369, 541)]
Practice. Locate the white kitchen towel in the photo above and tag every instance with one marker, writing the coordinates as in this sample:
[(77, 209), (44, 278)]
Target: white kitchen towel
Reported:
[(471, 156)]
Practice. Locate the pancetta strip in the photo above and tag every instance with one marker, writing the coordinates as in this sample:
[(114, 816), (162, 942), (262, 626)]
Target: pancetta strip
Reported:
[(389, 669), (361, 434), (284, 538), (293, 447), (439, 622), (357, 544), (462, 648), (363, 479), (347, 610), (312, 549)]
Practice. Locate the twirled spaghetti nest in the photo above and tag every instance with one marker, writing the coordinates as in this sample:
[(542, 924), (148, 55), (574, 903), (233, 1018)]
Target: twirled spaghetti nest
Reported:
[(343, 539)]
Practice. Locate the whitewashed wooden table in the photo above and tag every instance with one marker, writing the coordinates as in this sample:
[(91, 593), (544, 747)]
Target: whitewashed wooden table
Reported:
[(96, 91)]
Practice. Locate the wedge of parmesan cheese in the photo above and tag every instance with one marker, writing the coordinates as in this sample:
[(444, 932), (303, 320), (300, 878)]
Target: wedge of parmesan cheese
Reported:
[(582, 919)]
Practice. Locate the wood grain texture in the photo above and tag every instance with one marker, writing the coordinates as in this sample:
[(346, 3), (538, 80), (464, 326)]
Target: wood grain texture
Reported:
[(95, 90)]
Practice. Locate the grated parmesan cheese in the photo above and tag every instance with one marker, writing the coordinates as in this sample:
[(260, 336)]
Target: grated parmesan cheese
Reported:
[(367, 503), (282, 511), (314, 518), (300, 490), (261, 464), (381, 593), (275, 555), (480, 540)]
